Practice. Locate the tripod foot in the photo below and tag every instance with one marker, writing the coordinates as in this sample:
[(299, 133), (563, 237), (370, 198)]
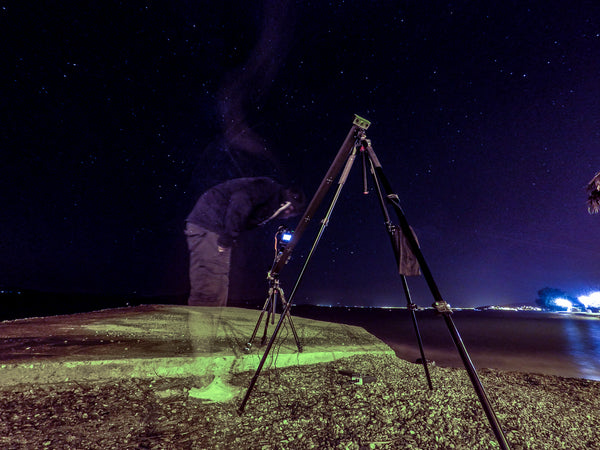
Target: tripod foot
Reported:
[(248, 347), (427, 361)]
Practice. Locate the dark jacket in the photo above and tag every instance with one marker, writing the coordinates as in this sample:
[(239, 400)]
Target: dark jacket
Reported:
[(237, 205)]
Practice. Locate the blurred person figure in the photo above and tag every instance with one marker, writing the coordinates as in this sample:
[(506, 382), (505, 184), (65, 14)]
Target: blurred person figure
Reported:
[(219, 216)]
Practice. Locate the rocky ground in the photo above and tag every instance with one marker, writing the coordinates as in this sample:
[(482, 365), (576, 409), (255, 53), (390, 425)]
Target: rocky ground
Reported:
[(308, 407)]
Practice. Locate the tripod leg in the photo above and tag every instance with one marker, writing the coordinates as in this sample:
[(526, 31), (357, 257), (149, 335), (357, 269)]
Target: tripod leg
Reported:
[(395, 241), (440, 304), (337, 164), (289, 317), (264, 358), (271, 313), (296, 338), (413, 316), (262, 313), (487, 407), (345, 151)]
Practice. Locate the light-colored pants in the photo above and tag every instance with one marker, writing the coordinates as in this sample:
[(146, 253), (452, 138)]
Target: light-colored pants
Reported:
[(209, 267)]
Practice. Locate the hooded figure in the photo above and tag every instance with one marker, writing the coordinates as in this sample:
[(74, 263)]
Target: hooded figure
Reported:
[(218, 218)]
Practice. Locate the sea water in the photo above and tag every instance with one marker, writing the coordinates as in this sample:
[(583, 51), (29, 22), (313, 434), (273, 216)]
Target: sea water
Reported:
[(525, 341)]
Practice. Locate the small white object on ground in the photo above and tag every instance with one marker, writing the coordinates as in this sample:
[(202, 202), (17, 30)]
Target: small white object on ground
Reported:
[(218, 391)]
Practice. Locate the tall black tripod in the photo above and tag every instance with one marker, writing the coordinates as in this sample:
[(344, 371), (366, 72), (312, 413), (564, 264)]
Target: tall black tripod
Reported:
[(356, 141)]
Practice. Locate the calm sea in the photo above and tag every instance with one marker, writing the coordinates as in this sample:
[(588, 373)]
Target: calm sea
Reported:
[(536, 342)]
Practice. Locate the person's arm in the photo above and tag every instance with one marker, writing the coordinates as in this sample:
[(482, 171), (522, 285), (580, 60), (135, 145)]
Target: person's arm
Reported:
[(239, 208)]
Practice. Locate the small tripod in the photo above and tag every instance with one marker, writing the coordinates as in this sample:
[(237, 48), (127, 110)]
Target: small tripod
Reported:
[(282, 237)]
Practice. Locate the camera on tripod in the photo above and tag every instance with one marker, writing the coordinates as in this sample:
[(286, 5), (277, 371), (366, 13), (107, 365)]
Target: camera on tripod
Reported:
[(282, 238)]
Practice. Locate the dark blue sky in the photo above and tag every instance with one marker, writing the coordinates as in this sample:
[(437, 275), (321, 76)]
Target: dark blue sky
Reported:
[(486, 118)]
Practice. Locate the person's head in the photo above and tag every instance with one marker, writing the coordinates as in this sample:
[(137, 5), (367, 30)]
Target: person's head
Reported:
[(296, 199)]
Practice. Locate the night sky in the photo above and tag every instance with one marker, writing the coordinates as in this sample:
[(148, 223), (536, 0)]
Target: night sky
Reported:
[(116, 116)]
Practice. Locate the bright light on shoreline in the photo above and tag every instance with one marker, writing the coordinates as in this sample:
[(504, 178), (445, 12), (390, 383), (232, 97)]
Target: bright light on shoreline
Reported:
[(563, 303), (592, 300)]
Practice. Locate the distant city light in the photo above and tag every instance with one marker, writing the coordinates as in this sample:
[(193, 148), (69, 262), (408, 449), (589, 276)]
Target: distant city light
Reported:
[(592, 300), (563, 303)]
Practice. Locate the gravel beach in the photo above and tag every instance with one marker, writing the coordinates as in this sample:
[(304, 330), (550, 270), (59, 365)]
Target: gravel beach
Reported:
[(312, 406)]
